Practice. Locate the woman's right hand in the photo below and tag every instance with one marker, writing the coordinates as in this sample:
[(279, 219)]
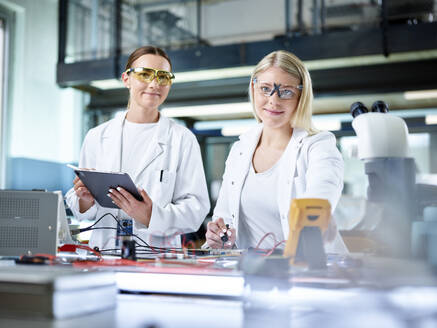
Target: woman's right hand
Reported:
[(86, 200), (216, 230)]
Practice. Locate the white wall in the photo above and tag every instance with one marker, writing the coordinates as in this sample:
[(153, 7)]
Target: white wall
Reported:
[(44, 120)]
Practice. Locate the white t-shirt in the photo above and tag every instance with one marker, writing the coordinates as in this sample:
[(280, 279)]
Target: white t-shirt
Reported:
[(136, 142), (259, 212)]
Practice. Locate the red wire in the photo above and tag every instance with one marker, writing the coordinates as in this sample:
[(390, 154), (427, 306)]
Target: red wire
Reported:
[(90, 250), (262, 239), (74, 247), (274, 247)]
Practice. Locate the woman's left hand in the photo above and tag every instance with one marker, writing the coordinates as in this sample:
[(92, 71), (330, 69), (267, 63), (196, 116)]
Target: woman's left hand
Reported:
[(140, 211)]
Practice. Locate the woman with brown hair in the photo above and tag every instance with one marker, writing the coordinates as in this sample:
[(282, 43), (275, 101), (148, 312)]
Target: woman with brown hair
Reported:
[(162, 158)]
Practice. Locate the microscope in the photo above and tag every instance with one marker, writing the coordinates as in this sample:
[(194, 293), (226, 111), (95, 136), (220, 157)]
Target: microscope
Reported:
[(383, 146)]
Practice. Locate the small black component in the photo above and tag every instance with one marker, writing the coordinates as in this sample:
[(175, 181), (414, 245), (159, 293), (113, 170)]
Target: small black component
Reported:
[(128, 250), (225, 237), (125, 228), (25, 259)]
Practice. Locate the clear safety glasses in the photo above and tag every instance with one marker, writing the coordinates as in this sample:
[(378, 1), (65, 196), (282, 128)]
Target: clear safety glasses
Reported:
[(267, 89), (145, 74)]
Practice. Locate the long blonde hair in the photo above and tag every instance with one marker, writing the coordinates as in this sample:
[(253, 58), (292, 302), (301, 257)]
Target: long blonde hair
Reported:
[(289, 63)]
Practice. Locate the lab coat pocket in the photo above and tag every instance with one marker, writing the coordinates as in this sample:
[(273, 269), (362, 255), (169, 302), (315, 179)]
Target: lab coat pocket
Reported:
[(165, 186)]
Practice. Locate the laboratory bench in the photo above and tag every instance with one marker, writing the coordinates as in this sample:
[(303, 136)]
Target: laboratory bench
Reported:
[(243, 290)]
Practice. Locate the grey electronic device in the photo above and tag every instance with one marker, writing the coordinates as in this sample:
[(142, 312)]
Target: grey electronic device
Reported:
[(99, 183), (32, 222)]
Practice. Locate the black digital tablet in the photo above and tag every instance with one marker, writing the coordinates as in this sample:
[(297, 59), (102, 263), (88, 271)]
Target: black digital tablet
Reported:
[(99, 183)]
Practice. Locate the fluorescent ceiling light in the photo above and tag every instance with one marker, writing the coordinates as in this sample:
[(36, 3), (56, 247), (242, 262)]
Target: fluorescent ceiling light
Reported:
[(213, 74), (431, 119), (219, 124), (369, 60), (330, 125), (231, 131), (208, 110), (107, 84), (422, 94), (246, 71)]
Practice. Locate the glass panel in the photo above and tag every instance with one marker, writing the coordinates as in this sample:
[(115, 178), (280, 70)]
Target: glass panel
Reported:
[(90, 29), (162, 25), (174, 23)]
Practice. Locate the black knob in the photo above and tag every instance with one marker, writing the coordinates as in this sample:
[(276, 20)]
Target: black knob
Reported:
[(380, 106), (358, 108)]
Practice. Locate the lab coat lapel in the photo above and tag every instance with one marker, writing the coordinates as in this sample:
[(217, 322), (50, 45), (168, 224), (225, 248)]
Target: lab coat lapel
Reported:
[(248, 143), (157, 145), (286, 176), (111, 144)]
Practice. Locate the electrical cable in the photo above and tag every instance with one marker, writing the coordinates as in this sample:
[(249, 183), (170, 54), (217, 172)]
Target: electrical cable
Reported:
[(154, 249), (91, 227), (270, 252), (162, 249), (264, 237)]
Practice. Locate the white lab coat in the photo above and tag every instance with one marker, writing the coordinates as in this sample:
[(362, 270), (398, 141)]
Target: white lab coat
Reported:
[(180, 201), (312, 168)]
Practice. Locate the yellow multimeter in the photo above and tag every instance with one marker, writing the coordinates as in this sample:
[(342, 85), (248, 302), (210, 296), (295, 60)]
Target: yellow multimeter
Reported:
[(308, 220)]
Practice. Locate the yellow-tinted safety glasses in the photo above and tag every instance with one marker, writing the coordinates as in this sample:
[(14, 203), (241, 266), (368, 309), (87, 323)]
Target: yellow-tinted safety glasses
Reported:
[(145, 74)]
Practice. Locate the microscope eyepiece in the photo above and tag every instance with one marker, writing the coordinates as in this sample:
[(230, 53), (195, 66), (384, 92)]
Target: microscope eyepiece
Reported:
[(380, 106), (358, 108)]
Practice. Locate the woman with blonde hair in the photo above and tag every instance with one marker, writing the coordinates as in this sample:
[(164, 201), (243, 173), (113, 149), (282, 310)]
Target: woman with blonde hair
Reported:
[(282, 158)]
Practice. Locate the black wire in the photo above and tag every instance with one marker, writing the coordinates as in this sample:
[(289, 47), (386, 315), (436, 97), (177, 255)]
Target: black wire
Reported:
[(99, 228), (153, 249), (146, 245), (162, 248), (136, 236), (118, 224), (109, 249), (100, 219), (117, 250)]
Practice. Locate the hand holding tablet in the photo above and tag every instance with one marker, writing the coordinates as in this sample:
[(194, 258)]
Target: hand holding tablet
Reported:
[(99, 183)]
